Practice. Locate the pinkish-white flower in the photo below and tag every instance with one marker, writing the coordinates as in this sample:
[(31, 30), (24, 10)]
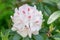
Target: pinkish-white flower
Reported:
[(27, 20)]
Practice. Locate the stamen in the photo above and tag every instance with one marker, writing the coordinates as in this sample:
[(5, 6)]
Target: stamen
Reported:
[(26, 27), (29, 17), (36, 21), (23, 12), (28, 9)]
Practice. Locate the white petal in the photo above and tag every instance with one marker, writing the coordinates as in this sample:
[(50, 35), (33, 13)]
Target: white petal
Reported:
[(16, 10), (20, 20), (35, 6), (23, 34), (29, 34), (35, 32), (13, 29)]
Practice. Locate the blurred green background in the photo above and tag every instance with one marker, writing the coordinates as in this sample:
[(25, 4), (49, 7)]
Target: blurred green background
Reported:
[(47, 32)]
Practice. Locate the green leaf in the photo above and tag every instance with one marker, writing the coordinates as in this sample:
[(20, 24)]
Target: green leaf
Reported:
[(2, 6), (56, 36), (5, 34), (58, 5), (56, 1), (26, 38), (53, 17), (48, 2), (47, 10), (16, 37), (4, 37), (38, 37), (40, 6), (51, 28)]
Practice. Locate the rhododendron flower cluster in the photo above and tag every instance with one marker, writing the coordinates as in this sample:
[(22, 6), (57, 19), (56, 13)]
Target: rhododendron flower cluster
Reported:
[(27, 20)]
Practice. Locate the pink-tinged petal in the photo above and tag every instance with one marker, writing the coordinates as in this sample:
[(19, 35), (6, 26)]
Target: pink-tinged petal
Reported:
[(18, 13)]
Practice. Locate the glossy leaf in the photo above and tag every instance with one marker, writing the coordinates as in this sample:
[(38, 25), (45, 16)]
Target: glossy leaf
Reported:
[(16, 37), (38, 37), (47, 10), (58, 5), (53, 17), (57, 36), (26, 38)]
